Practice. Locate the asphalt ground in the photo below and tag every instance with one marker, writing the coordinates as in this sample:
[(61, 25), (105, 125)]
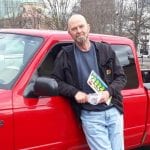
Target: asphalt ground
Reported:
[(143, 148)]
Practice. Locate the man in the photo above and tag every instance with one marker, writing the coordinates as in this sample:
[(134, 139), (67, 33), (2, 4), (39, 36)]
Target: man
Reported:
[(102, 123)]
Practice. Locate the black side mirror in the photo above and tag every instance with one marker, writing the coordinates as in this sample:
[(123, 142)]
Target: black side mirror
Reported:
[(42, 86), (45, 87)]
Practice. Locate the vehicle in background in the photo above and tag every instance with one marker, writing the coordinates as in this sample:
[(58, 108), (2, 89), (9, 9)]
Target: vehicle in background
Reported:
[(145, 53)]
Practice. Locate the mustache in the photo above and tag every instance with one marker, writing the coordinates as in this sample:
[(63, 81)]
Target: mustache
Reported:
[(80, 34)]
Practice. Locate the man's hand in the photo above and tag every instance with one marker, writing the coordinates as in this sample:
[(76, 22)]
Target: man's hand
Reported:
[(105, 97), (81, 97)]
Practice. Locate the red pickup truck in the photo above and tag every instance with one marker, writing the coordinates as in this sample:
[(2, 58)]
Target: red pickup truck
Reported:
[(34, 117)]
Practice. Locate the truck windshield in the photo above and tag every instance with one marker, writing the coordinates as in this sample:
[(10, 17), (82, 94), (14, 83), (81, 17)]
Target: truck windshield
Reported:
[(15, 52)]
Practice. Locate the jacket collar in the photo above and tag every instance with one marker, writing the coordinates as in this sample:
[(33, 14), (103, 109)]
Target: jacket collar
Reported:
[(71, 57)]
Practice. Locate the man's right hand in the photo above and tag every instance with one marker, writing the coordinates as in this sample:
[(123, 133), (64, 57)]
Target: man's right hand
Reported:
[(81, 97)]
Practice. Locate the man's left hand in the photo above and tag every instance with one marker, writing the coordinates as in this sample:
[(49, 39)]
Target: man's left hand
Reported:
[(105, 96)]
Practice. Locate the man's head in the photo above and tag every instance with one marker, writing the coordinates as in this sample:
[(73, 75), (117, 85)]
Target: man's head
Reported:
[(78, 28)]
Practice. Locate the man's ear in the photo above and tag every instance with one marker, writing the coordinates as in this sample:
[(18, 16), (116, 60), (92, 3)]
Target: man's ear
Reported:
[(68, 31)]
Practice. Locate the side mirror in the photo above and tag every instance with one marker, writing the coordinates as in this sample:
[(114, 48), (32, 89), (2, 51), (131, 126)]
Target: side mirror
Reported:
[(45, 87), (42, 86)]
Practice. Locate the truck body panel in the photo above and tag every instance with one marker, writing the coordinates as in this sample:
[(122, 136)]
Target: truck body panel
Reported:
[(49, 122)]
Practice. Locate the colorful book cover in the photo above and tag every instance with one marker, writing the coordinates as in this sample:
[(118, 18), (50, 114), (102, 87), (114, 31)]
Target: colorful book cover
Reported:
[(96, 83)]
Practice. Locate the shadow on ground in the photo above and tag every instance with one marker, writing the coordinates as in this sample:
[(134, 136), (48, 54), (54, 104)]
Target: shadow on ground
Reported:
[(143, 148)]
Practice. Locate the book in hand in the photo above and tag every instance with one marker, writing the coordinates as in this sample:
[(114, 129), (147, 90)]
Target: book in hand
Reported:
[(97, 84)]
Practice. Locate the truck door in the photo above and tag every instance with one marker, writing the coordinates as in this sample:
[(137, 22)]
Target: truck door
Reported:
[(6, 120), (134, 97), (44, 122), (9, 69), (146, 80)]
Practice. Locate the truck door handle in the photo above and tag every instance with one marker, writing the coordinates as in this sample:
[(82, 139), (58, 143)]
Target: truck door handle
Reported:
[(1, 123)]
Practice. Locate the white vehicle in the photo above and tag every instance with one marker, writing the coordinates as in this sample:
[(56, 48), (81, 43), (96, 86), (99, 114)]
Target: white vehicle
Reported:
[(146, 56)]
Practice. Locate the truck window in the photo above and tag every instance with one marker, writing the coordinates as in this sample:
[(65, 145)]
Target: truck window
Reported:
[(16, 50), (126, 59), (47, 65), (123, 52)]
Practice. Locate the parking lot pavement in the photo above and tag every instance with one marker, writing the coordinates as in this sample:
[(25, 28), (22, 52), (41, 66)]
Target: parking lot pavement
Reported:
[(145, 148)]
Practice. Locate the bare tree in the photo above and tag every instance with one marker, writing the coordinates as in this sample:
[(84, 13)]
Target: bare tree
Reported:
[(31, 17), (59, 11), (1, 23), (19, 14), (138, 19), (99, 13), (119, 16), (11, 11)]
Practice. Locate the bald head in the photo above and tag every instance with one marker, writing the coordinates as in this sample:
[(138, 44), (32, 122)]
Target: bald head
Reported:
[(76, 18), (79, 29)]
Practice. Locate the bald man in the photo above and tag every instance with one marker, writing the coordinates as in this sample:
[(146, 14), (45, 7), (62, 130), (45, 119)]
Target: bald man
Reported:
[(102, 123)]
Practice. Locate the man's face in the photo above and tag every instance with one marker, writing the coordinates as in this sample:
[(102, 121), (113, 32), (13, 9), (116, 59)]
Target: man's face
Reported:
[(79, 30)]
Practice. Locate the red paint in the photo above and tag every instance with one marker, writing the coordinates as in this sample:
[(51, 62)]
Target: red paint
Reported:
[(50, 123)]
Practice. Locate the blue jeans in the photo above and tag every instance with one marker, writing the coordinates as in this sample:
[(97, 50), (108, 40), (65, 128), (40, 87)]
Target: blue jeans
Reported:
[(103, 129)]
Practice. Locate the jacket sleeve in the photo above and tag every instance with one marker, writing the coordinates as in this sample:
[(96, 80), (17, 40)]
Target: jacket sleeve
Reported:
[(119, 77), (59, 73)]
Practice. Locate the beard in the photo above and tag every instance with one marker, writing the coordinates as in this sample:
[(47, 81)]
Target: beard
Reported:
[(80, 40)]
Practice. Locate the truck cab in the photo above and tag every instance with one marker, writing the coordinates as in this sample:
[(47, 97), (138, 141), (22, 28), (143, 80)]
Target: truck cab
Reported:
[(33, 115)]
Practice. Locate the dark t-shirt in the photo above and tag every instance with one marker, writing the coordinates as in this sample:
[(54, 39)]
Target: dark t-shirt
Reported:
[(86, 62)]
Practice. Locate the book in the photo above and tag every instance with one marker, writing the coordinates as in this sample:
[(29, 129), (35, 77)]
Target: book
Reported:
[(97, 84)]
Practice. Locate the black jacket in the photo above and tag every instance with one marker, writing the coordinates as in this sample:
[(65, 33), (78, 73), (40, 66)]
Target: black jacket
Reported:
[(65, 72)]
